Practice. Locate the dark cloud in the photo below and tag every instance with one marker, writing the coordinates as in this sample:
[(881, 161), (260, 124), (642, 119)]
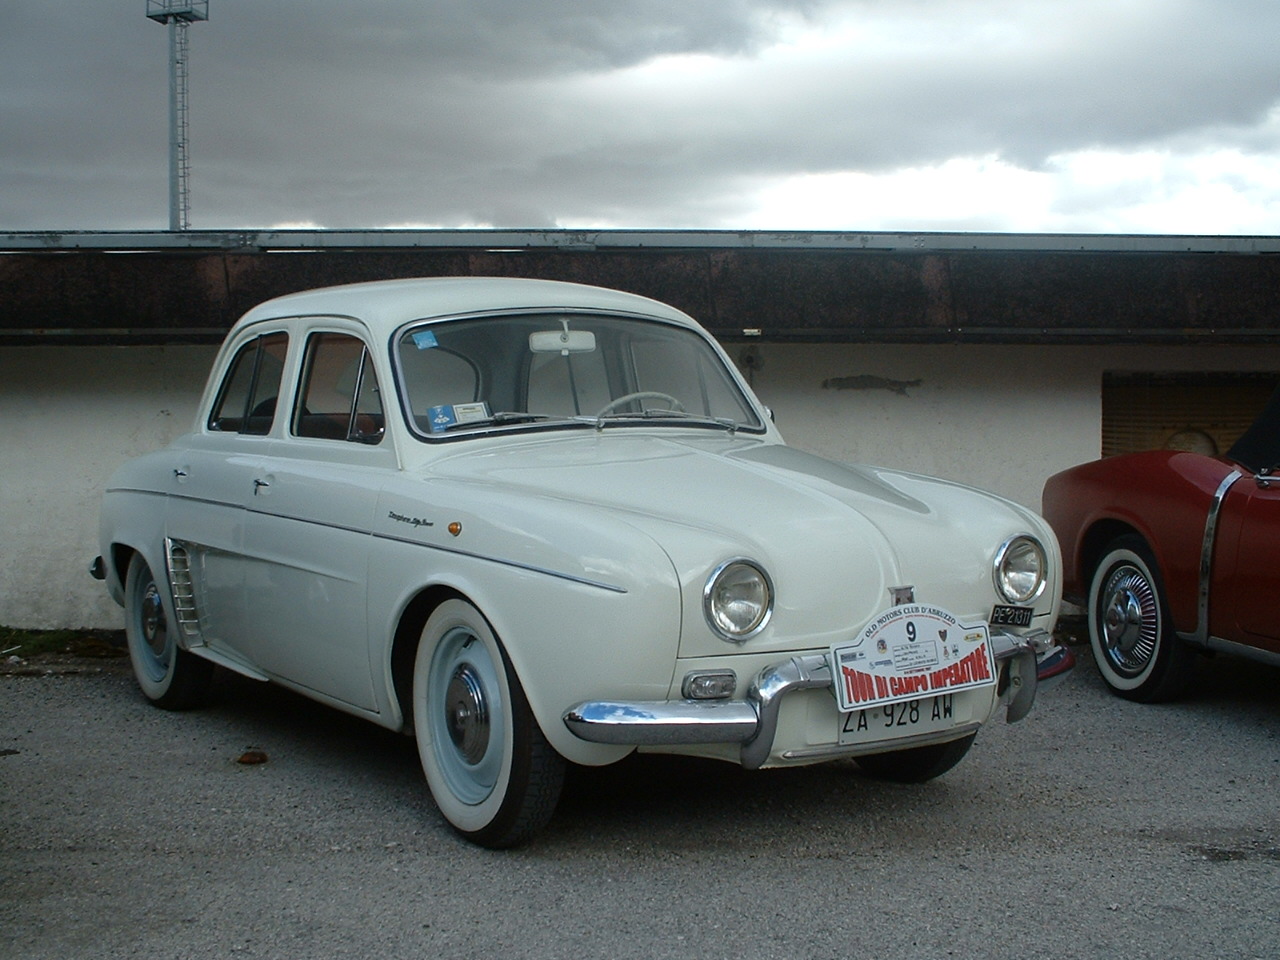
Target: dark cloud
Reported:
[(641, 113)]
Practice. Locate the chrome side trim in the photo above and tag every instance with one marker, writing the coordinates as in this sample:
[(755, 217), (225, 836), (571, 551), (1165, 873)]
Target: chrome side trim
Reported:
[(1200, 636)]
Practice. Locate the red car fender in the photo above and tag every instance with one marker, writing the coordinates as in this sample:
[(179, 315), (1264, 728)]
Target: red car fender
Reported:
[(1163, 496)]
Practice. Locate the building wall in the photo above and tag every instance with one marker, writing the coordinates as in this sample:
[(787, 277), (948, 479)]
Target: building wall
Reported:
[(999, 417), (70, 416)]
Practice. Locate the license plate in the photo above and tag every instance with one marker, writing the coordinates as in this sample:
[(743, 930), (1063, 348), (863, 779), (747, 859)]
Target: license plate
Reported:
[(1011, 616), (900, 719)]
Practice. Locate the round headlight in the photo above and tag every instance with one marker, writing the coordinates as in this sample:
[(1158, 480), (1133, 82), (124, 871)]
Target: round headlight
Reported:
[(1020, 569), (737, 600)]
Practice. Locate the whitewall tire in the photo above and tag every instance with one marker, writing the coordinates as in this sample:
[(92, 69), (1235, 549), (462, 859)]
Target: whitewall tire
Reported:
[(170, 677), (491, 770), (1138, 654)]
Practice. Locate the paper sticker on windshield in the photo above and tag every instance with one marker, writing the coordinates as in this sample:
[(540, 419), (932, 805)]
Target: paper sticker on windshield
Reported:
[(424, 339), (457, 414), (911, 651)]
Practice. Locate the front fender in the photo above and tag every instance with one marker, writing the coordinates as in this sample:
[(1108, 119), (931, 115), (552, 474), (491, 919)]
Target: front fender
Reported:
[(569, 638)]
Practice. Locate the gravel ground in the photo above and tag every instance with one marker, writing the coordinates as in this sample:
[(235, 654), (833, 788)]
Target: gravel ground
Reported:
[(1095, 828)]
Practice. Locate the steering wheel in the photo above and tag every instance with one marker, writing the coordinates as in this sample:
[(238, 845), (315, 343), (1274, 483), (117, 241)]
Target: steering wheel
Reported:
[(616, 402)]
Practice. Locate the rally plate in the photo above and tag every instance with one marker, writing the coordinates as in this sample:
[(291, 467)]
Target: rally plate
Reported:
[(910, 652)]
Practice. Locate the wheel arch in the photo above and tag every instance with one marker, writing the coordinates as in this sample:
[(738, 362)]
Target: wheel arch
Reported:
[(530, 668), (1177, 561), (404, 643), (118, 560), (1094, 542)]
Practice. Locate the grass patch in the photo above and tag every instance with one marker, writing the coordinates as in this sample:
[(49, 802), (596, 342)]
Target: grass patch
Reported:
[(16, 642)]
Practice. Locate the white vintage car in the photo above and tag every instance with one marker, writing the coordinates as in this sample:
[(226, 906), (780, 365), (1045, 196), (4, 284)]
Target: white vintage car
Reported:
[(534, 523)]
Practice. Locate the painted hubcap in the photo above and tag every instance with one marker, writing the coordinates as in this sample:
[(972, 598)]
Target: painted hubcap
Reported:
[(467, 713), (153, 626)]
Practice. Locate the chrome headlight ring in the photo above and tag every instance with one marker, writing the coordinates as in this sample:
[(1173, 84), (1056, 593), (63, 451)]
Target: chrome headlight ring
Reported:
[(738, 599), (1020, 570)]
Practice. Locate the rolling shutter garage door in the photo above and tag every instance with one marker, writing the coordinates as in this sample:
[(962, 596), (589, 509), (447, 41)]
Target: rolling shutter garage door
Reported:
[(1202, 412)]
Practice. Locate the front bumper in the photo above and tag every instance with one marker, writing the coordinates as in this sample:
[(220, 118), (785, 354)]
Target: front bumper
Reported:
[(753, 722)]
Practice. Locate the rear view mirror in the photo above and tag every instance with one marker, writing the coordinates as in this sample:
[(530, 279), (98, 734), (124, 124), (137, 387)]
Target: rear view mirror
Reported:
[(563, 342)]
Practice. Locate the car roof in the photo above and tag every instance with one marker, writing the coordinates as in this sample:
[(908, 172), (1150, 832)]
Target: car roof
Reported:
[(386, 304)]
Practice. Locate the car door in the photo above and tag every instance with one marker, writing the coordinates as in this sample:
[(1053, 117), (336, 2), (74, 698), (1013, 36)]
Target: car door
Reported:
[(308, 529), (212, 486), (1257, 572)]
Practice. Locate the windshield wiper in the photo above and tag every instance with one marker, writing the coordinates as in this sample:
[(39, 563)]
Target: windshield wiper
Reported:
[(501, 418), (657, 414)]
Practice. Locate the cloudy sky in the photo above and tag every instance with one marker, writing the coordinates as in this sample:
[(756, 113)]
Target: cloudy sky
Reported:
[(1095, 116)]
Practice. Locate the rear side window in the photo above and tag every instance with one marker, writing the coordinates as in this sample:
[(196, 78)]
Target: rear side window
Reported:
[(339, 399), (247, 397)]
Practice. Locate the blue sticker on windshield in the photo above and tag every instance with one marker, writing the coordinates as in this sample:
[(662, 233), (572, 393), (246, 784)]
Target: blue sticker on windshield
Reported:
[(441, 418), (424, 339)]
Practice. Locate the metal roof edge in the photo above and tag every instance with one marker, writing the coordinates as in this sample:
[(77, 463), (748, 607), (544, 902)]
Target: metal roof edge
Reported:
[(512, 241)]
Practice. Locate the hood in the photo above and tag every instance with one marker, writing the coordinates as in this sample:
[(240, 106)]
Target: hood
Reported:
[(834, 538)]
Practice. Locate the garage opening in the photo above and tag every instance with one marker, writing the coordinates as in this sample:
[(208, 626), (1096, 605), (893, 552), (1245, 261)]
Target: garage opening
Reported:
[(1199, 412)]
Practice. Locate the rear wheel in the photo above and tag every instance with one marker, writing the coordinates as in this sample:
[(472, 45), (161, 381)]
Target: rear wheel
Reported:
[(916, 764), (170, 677), (1130, 631), (491, 770)]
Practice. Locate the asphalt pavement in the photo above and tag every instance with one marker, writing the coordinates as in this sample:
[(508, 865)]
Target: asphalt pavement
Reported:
[(1095, 828)]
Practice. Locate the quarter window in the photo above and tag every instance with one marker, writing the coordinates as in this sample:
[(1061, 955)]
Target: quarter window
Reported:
[(247, 398)]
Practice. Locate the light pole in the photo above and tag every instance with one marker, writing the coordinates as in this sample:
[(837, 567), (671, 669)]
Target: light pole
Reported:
[(177, 14)]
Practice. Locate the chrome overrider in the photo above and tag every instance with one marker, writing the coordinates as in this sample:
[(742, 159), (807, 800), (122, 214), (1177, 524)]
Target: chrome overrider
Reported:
[(753, 722)]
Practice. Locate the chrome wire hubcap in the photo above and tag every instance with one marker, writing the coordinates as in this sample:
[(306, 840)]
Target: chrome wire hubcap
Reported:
[(467, 713), (1130, 620)]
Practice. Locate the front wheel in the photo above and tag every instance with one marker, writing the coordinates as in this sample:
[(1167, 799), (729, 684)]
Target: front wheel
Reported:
[(916, 764), (491, 770), (170, 677), (1130, 631)]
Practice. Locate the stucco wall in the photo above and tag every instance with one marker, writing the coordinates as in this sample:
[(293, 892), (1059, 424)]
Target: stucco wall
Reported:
[(1003, 418), (70, 415)]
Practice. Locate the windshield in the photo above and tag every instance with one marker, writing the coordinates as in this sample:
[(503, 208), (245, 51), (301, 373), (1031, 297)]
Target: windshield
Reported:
[(461, 376), (1259, 448)]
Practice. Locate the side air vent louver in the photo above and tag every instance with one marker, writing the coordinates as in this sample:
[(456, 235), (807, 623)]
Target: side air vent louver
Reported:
[(184, 596)]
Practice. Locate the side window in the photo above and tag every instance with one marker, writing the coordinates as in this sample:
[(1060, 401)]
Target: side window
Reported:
[(247, 398), (339, 399)]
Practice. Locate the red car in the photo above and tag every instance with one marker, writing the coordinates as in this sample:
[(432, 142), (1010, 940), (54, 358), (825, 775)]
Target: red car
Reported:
[(1174, 554)]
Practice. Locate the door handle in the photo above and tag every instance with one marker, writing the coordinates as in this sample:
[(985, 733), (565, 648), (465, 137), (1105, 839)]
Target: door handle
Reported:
[(259, 485)]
